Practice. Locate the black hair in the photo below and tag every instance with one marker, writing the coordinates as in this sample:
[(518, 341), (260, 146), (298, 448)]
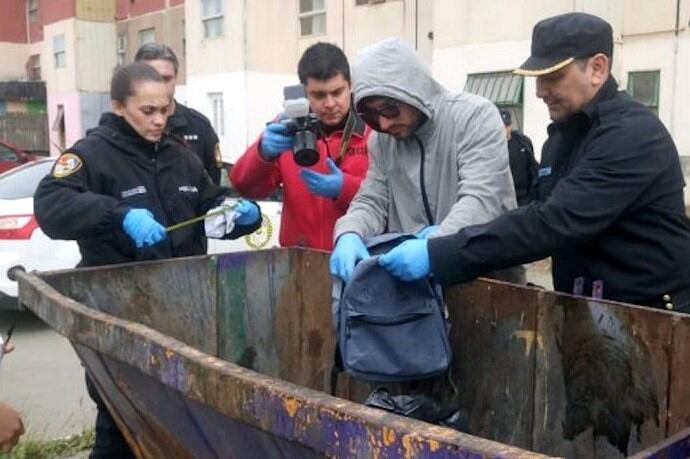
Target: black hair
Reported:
[(125, 76), (155, 51), (322, 61)]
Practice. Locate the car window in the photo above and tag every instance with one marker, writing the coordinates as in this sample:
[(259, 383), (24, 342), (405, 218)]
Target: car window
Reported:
[(22, 182), (6, 154)]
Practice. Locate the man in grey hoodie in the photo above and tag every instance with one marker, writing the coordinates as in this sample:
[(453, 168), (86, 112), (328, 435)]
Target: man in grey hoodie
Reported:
[(438, 161)]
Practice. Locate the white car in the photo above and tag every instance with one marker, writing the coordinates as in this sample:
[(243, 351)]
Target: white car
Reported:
[(23, 243), (21, 240)]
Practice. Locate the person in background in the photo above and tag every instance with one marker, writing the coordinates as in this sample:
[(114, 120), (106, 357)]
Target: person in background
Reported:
[(190, 126), (523, 166), (116, 190), (314, 197), (438, 161), (610, 209)]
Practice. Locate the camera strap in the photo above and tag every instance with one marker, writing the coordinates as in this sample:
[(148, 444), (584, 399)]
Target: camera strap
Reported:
[(347, 135)]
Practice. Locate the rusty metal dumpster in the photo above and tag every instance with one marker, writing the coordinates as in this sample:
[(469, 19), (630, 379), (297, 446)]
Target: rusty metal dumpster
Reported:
[(229, 356)]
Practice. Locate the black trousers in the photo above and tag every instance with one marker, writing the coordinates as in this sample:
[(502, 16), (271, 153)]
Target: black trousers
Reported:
[(110, 443)]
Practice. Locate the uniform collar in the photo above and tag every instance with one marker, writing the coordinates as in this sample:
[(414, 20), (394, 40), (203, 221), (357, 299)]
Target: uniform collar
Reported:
[(590, 112), (607, 91), (177, 119)]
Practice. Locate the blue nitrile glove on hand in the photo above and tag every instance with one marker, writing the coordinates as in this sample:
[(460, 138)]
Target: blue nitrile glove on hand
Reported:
[(424, 233), (408, 261), (326, 185), (140, 225), (348, 251), (221, 220), (276, 140), (247, 212)]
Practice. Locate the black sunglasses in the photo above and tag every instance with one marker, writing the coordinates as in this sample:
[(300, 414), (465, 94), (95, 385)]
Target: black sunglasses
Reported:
[(390, 110)]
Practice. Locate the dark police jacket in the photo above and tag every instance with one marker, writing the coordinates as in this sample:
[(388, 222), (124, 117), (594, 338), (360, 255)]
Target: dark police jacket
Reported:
[(112, 170), (194, 130), (610, 211), (523, 166)]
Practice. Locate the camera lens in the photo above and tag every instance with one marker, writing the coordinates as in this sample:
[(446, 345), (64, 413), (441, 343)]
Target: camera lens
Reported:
[(306, 153)]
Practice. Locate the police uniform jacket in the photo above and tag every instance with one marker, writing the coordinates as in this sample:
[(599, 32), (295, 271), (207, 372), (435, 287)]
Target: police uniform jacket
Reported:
[(610, 211), (194, 130), (113, 170), (523, 166)]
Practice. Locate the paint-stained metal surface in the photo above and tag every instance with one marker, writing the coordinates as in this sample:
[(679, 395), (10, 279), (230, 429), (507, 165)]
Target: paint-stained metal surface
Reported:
[(211, 356), (277, 416)]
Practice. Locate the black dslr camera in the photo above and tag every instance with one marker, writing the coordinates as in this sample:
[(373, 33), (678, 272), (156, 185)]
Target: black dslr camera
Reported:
[(302, 124)]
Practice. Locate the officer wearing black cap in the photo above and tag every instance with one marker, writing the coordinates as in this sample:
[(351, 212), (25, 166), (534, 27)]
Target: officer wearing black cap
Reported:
[(189, 126), (610, 188), (523, 166)]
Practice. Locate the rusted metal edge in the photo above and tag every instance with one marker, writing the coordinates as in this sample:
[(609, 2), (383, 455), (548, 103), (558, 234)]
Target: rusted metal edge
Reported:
[(333, 426)]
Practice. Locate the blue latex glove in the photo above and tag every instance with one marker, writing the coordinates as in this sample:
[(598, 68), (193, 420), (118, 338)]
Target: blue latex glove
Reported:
[(408, 261), (140, 225), (248, 212), (424, 233), (276, 140), (348, 251), (326, 185)]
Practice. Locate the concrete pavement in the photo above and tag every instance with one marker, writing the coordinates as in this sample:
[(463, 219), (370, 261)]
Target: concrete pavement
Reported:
[(44, 380)]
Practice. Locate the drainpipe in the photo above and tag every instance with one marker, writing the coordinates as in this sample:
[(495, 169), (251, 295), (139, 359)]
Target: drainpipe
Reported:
[(674, 80), (416, 24), (245, 67)]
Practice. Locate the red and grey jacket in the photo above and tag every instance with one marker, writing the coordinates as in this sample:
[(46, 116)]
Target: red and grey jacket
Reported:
[(307, 219)]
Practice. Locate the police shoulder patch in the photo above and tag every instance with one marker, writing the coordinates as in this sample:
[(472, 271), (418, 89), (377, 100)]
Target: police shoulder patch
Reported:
[(67, 164)]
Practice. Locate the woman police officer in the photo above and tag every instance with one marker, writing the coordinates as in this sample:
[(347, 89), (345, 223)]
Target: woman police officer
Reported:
[(116, 190)]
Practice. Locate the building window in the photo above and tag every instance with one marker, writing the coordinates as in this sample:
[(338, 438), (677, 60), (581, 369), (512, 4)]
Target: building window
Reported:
[(59, 51), (644, 88), (147, 36), (502, 88), (312, 17), (212, 18), (33, 67), (121, 49), (218, 119), (32, 9)]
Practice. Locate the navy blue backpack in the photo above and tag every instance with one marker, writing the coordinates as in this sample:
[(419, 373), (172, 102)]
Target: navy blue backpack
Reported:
[(389, 330)]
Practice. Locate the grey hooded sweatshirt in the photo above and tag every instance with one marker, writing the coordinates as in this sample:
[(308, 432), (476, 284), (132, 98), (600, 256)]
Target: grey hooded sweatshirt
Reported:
[(463, 146)]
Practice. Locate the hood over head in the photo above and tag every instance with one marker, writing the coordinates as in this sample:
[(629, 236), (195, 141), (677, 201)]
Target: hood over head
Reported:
[(391, 68)]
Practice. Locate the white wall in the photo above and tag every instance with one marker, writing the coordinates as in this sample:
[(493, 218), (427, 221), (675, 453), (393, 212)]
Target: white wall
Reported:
[(657, 52), (250, 101)]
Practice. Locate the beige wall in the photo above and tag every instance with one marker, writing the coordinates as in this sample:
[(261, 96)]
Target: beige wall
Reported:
[(644, 17), (96, 10), (62, 79), (14, 56), (169, 26), (222, 54), (95, 55)]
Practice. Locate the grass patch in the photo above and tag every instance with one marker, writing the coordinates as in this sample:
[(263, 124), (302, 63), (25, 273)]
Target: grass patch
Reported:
[(52, 449)]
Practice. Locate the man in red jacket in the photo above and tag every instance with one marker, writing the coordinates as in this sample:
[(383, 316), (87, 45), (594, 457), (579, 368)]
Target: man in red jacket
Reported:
[(314, 197)]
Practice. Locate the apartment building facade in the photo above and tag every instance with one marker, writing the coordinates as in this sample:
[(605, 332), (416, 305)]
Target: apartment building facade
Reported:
[(237, 55), (241, 53)]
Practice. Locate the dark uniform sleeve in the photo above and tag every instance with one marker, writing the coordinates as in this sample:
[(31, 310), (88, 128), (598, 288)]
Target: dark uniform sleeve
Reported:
[(615, 171), (66, 206)]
